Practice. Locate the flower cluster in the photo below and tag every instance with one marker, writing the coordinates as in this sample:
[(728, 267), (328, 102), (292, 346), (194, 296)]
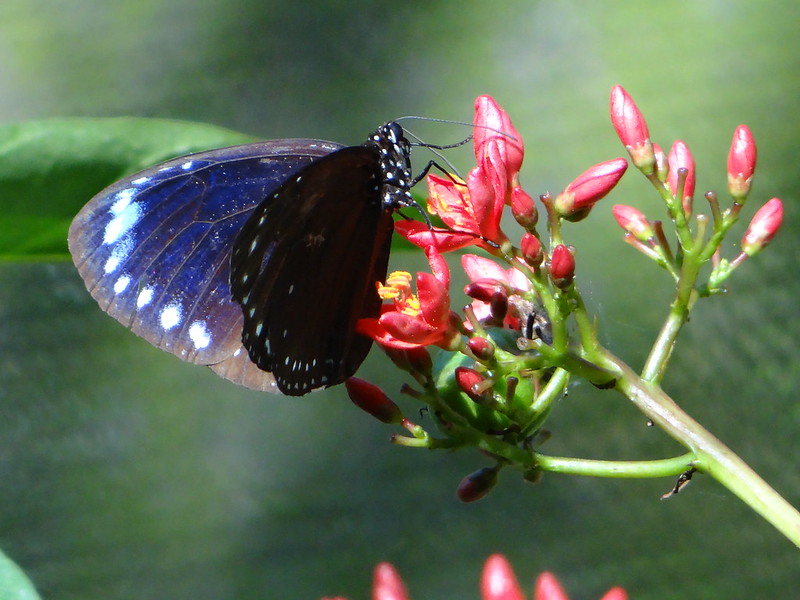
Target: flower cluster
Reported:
[(497, 583), (503, 360)]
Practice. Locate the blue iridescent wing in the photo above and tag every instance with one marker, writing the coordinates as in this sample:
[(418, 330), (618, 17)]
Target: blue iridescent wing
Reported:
[(154, 249)]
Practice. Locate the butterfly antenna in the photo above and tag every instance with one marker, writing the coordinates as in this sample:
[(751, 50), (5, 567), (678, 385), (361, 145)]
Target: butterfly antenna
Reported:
[(453, 122)]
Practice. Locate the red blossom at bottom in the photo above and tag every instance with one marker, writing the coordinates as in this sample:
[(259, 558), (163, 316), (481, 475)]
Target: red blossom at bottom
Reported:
[(498, 582)]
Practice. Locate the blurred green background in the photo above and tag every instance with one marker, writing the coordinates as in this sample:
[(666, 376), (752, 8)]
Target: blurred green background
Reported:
[(126, 474)]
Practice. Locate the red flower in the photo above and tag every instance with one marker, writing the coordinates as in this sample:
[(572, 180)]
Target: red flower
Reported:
[(412, 320), (472, 209), (590, 186), (632, 129), (741, 162)]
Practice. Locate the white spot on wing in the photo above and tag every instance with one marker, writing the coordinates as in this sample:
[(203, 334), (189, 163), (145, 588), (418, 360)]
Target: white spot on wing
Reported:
[(118, 254), (124, 218), (171, 316), (121, 203), (121, 283), (140, 180), (199, 334), (187, 165), (144, 297)]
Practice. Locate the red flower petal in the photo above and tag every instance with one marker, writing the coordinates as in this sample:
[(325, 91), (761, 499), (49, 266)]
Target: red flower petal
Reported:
[(434, 300)]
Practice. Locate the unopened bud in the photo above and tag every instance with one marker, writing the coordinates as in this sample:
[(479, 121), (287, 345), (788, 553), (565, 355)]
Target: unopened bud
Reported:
[(371, 399), (482, 348), (632, 130), (633, 221), (477, 485), (741, 163), (680, 157), (473, 384), (523, 208), (763, 227), (531, 249), (562, 267), (590, 186)]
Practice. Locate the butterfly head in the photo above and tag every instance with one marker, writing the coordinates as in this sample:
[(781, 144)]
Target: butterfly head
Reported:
[(395, 163)]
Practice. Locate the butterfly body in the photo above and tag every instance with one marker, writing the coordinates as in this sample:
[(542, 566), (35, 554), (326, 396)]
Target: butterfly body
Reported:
[(255, 260)]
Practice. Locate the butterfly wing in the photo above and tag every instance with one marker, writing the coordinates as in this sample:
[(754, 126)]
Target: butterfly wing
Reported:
[(304, 269), (154, 249)]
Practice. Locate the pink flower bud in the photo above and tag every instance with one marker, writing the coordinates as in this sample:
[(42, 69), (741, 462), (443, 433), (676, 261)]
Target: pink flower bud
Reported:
[(633, 221), (632, 129), (562, 267), (593, 184), (371, 399), (477, 485), (741, 162), (482, 348), (387, 584), (531, 249), (498, 581), (523, 208), (680, 157), (763, 227), (547, 587)]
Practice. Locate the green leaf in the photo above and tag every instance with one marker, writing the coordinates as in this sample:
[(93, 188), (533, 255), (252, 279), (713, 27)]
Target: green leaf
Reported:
[(49, 169), (14, 585)]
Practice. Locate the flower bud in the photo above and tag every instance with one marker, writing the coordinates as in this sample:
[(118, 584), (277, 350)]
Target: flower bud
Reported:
[(681, 158), (562, 267), (476, 485), (632, 129), (593, 184), (498, 581), (741, 163), (633, 221), (547, 587), (498, 305), (387, 584), (763, 227), (371, 399), (523, 208), (472, 384), (531, 249), (482, 348)]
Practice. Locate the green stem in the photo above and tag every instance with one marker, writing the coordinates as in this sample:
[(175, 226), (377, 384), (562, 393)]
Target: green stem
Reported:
[(616, 468), (712, 456)]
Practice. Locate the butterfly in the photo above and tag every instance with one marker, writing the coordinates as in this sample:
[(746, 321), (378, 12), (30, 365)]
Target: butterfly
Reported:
[(256, 260)]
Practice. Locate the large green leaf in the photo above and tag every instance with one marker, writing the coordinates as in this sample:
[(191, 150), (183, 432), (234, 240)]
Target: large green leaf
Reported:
[(14, 585), (50, 168)]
